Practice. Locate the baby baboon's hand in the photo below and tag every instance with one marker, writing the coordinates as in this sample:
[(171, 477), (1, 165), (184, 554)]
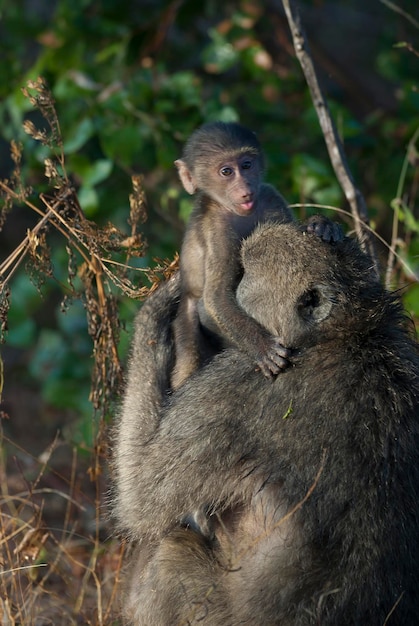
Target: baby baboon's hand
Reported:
[(274, 359), (323, 227)]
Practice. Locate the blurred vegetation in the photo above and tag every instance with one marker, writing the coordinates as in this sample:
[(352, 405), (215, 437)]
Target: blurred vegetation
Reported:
[(131, 80), (128, 81)]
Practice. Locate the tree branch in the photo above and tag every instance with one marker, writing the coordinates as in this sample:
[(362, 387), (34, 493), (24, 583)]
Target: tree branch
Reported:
[(333, 143)]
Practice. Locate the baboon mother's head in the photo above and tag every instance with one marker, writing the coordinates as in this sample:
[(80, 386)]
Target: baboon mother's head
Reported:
[(302, 288)]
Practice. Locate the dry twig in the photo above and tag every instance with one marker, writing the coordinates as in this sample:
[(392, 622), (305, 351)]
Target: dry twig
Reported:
[(333, 143)]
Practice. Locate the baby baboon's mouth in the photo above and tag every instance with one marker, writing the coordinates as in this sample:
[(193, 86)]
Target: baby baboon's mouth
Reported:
[(247, 206)]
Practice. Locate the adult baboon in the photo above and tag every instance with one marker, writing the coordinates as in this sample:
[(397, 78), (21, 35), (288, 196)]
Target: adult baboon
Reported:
[(312, 479)]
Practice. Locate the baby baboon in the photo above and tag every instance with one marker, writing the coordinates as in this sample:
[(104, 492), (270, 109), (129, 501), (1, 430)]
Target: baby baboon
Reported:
[(312, 480), (223, 165)]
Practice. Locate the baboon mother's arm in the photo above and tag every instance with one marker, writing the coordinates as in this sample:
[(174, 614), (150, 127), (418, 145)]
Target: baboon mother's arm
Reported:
[(166, 457), (198, 447), (206, 451), (149, 367)]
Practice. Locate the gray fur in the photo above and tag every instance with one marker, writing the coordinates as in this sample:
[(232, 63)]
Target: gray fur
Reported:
[(312, 479)]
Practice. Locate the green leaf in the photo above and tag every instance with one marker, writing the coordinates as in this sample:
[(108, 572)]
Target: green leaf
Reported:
[(314, 181), (89, 173), (89, 200), (220, 55), (78, 135), (97, 172), (411, 222), (185, 209), (21, 334), (411, 300)]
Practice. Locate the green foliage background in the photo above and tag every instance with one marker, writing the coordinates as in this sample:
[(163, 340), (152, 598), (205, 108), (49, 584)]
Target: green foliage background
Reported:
[(132, 79)]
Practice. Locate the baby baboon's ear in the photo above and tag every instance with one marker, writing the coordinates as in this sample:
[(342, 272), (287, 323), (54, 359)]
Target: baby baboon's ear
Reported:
[(185, 175), (316, 303)]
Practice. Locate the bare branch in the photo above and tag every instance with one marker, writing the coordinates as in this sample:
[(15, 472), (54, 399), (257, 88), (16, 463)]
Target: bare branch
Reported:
[(333, 143), (394, 7)]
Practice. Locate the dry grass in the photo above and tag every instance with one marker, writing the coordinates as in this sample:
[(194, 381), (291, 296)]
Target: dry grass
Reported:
[(58, 564)]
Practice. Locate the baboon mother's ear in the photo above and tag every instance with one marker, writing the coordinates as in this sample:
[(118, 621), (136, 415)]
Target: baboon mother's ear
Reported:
[(185, 175), (316, 303)]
